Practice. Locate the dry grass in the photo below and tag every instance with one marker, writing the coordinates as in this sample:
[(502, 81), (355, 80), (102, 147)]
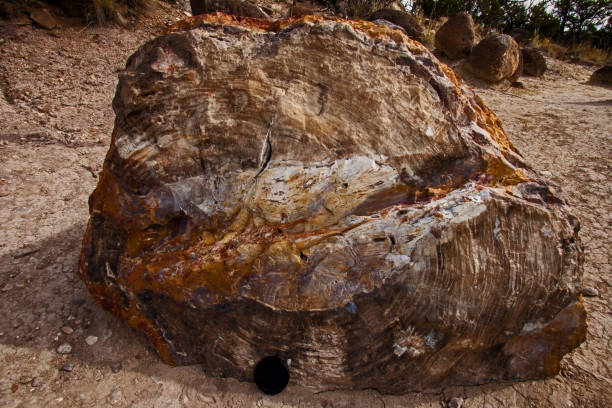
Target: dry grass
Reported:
[(430, 27), (546, 44), (587, 52), (582, 51)]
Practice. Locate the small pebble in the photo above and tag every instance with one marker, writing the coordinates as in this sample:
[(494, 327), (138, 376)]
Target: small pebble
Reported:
[(67, 330), (590, 291), (114, 397), (36, 382), (116, 367), (68, 367), (64, 348), (91, 340), (24, 379), (455, 402)]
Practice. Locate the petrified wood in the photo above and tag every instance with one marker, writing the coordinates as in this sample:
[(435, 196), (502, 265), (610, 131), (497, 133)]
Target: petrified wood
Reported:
[(327, 192)]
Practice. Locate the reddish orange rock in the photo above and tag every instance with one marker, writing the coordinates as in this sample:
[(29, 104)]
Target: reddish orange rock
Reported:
[(327, 192)]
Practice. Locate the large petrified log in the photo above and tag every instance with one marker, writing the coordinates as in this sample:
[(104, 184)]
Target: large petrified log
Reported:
[(327, 192)]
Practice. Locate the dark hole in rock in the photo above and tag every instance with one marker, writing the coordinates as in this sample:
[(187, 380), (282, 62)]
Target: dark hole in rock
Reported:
[(271, 375)]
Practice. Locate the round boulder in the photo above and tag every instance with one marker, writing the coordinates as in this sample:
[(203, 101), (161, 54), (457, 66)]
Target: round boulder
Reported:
[(534, 62), (407, 21), (495, 58), (327, 193), (603, 74), (521, 35), (456, 37)]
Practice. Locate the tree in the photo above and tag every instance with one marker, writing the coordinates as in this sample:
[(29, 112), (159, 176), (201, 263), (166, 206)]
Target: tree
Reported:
[(543, 22), (578, 15)]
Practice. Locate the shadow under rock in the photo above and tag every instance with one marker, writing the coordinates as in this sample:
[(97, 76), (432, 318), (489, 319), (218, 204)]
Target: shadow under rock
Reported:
[(41, 294)]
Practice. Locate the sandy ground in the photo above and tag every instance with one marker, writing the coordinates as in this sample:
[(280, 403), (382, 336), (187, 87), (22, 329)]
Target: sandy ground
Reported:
[(55, 126)]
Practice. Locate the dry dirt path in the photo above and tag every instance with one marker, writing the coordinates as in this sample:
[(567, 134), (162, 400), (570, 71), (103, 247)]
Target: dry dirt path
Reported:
[(55, 125)]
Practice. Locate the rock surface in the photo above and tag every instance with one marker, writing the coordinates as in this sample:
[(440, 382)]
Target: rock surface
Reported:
[(534, 62), (456, 37), (243, 8), (407, 21), (44, 18), (603, 74), (495, 58), (521, 35), (328, 192)]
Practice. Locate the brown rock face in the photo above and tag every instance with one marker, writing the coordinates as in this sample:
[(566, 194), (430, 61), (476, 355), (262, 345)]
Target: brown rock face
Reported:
[(44, 18), (495, 58), (456, 37), (521, 35), (407, 21), (327, 192), (534, 62), (242, 8), (603, 74)]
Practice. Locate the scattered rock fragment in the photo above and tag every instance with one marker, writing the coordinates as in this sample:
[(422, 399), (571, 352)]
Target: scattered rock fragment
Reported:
[(456, 37), (67, 330), (114, 397), (68, 367), (25, 379), (64, 348), (43, 18), (590, 291), (91, 340), (116, 367), (495, 58), (36, 382), (456, 402)]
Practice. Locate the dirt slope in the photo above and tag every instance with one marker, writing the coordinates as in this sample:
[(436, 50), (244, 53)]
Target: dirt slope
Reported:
[(55, 126)]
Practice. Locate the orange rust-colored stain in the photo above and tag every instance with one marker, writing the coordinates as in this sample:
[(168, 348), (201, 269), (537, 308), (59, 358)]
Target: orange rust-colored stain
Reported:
[(374, 31), (487, 120), (218, 264), (503, 173), (109, 298)]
